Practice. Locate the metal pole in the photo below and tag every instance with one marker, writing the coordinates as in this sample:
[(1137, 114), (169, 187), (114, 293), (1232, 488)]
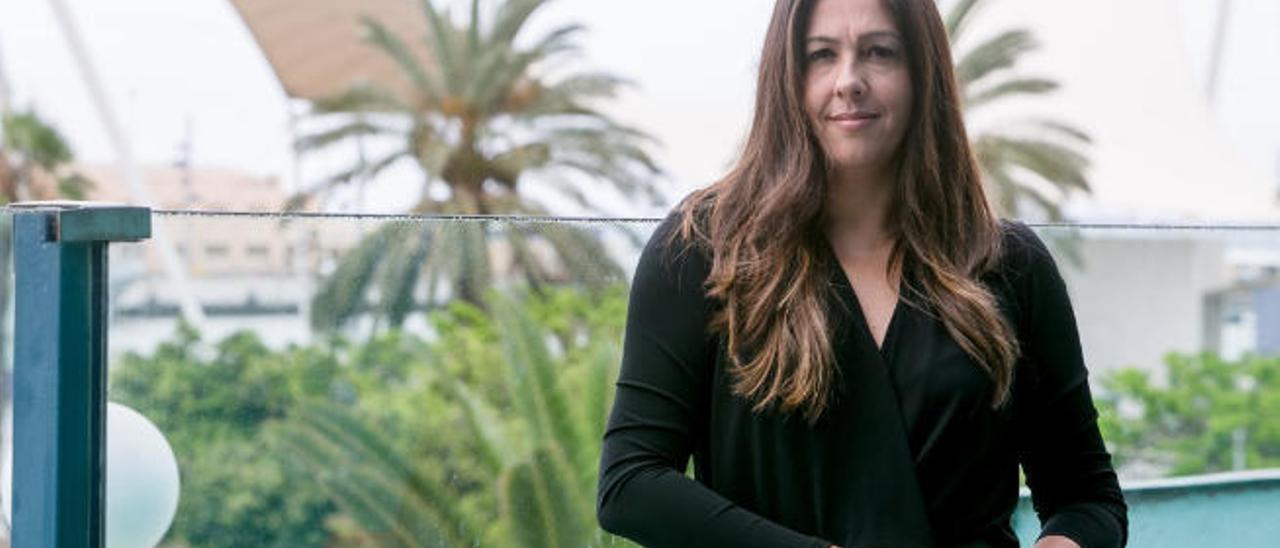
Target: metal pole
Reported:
[(5, 92), (60, 364), (1219, 48)]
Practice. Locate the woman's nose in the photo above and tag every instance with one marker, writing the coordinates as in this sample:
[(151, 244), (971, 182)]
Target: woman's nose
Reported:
[(850, 82)]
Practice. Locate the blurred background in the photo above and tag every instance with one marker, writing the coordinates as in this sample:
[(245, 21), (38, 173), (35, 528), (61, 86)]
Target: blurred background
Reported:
[(384, 298)]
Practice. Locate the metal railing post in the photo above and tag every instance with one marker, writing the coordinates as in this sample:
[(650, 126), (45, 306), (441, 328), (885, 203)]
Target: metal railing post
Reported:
[(59, 398)]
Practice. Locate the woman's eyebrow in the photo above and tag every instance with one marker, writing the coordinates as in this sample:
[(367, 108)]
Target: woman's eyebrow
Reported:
[(864, 36)]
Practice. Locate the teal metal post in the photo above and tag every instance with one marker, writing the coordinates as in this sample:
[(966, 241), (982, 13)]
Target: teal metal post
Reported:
[(59, 393)]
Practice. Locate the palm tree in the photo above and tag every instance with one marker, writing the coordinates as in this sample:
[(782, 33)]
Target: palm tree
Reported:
[(1033, 162), (541, 453), (33, 161), (483, 113)]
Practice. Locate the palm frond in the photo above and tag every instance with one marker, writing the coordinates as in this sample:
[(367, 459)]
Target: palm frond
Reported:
[(363, 97), (342, 294), (584, 255), (363, 498), (441, 39), (400, 275), (355, 128), (318, 191), (560, 181), (496, 77), (999, 52), (473, 29), (567, 97), (533, 497), (394, 47), (591, 85), (1010, 88), (365, 170), (510, 164), (1061, 130), (597, 402), (510, 19), (1057, 164), (958, 17), (401, 496), (532, 373), (535, 387), (498, 452)]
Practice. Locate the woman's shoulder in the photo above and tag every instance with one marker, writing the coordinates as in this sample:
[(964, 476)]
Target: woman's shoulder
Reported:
[(1022, 252), (675, 251)]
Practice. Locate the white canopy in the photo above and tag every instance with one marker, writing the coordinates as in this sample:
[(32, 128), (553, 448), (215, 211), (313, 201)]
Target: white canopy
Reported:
[(317, 49)]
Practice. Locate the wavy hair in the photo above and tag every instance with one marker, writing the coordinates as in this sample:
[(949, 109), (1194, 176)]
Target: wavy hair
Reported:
[(762, 225)]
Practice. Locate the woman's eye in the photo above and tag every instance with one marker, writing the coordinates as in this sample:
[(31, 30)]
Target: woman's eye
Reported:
[(881, 52), (821, 54)]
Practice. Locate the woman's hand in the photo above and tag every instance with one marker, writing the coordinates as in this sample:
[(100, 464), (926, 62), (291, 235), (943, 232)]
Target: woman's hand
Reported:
[(1056, 541)]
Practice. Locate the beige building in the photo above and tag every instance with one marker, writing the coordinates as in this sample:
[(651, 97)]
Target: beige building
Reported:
[(220, 246), (246, 271)]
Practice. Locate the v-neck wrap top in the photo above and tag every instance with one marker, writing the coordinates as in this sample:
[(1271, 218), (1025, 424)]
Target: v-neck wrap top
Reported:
[(910, 452)]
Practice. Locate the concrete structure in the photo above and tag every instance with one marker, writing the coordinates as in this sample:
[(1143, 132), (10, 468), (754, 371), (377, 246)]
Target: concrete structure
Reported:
[(1141, 293), (1230, 510)]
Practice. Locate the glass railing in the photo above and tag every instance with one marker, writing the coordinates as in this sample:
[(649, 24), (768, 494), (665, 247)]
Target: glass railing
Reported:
[(402, 381)]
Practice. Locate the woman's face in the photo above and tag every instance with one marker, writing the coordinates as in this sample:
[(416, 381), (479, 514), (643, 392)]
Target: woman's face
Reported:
[(857, 84)]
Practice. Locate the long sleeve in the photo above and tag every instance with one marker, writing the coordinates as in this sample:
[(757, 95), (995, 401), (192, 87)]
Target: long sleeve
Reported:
[(660, 405), (1074, 489)]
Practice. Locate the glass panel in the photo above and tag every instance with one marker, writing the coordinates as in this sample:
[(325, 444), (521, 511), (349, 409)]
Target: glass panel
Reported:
[(376, 382), (364, 381), (6, 372), (1181, 333)]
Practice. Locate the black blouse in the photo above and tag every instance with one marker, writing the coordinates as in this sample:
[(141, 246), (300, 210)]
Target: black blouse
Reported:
[(909, 453)]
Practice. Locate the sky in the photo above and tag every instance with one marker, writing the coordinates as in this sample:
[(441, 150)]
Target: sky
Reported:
[(1133, 75)]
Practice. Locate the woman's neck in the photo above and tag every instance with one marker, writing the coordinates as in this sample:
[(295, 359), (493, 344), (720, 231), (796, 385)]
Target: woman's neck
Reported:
[(858, 213)]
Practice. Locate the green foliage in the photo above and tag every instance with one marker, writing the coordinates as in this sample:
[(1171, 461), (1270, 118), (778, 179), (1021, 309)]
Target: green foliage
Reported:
[(485, 433), (525, 404), (31, 146), (1192, 422), (212, 406)]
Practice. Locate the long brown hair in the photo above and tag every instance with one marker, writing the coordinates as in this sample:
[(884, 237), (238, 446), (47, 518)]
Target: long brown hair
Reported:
[(763, 225)]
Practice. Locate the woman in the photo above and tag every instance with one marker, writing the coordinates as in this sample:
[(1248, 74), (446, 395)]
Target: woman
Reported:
[(848, 344)]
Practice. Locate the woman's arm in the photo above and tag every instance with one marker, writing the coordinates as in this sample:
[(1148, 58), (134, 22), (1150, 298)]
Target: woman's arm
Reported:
[(1073, 486), (662, 391)]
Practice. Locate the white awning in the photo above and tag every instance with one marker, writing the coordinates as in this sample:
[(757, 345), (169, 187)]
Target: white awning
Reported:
[(317, 49)]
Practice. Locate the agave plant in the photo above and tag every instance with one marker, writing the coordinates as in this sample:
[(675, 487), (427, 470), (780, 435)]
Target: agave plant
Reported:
[(541, 453), (484, 118), (1035, 162)]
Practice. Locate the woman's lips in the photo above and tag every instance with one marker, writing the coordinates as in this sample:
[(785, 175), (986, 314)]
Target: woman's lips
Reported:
[(852, 121)]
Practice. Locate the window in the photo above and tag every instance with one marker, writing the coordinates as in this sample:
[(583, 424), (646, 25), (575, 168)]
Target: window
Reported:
[(258, 252)]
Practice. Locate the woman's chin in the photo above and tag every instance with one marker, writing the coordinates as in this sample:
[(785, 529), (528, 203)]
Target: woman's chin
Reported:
[(858, 163)]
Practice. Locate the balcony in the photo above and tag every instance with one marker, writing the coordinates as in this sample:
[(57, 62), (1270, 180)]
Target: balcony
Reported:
[(333, 380)]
